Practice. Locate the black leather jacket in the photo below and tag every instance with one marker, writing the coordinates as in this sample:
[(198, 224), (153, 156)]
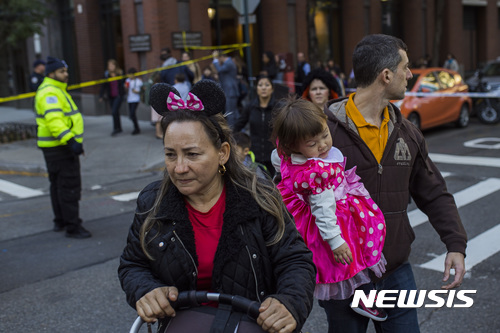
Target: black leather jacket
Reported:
[(244, 265)]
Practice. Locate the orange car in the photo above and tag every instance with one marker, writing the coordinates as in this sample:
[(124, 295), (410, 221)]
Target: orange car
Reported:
[(431, 108)]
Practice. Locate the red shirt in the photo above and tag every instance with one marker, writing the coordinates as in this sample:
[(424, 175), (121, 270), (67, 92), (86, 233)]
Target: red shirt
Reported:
[(207, 231), (114, 90)]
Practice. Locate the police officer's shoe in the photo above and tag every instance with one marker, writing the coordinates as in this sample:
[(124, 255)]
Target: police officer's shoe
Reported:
[(79, 233)]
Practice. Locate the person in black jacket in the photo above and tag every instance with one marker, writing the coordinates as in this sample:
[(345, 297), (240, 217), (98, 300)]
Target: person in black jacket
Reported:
[(36, 78), (259, 114), (113, 91), (269, 67), (211, 225)]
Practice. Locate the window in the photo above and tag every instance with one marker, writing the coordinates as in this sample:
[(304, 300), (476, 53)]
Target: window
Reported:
[(429, 83), (446, 80), (492, 69)]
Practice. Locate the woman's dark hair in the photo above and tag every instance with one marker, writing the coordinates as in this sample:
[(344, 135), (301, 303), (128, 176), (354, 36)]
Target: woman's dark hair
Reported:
[(270, 56), (294, 121), (261, 77), (326, 77)]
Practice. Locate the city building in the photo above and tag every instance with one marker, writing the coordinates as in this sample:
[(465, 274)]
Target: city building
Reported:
[(86, 33)]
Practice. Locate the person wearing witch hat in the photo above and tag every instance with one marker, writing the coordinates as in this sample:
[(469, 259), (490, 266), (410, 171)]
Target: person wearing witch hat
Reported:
[(60, 137)]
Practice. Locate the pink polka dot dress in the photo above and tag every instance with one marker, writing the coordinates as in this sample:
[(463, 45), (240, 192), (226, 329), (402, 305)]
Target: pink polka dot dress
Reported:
[(361, 222)]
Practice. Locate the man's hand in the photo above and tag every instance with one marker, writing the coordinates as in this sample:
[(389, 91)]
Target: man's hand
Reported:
[(454, 260), (156, 304), (275, 318)]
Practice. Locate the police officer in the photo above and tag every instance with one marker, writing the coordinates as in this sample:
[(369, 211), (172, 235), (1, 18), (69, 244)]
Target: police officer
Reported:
[(60, 136), (37, 76)]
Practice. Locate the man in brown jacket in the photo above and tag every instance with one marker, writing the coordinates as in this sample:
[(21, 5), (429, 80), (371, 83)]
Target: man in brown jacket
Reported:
[(392, 160)]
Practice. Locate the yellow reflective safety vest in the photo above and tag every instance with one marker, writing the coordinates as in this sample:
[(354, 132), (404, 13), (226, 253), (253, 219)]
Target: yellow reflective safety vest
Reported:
[(57, 115)]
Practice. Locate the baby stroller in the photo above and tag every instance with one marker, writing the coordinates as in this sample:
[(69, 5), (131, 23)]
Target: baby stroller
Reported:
[(235, 314)]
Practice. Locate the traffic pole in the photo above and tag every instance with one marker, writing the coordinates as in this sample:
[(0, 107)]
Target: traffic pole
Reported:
[(247, 49)]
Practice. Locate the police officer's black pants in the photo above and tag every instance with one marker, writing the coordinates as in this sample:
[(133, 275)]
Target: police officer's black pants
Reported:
[(65, 191)]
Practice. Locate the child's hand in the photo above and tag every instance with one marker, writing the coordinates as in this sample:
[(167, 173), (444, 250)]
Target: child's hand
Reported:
[(343, 254)]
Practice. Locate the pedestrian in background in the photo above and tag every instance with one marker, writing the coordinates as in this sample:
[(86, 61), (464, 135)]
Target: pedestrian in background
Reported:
[(166, 57), (303, 68), (246, 155), (337, 73), (393, 162), (168, 75), (208, 74), (207, 226), (451, 63), (60, 137), (155, 116), (133, 86), (281, 64), (269, 67), (181, 85), (38, 74), (258, 113), (193, 67), (320, 86), (332, 66), (113, 91), (227, 73)]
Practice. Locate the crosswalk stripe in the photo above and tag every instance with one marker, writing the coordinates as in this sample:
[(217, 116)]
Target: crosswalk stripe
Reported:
[(18, 190), (126, 196), (445, 174), (466, 160), (479, 249), (462, 198)]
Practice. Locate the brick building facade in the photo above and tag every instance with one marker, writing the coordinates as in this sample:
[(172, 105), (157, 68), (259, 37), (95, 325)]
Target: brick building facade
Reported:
[(469, 30)]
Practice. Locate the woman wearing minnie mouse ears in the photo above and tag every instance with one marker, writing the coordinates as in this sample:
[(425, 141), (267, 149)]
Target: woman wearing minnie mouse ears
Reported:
[(211, 225)]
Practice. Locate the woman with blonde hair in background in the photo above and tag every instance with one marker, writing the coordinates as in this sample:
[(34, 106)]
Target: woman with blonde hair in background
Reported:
[(113, 91), (193, 67)]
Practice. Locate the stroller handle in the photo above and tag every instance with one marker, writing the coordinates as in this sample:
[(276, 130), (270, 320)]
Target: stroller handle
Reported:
[(193, 298)]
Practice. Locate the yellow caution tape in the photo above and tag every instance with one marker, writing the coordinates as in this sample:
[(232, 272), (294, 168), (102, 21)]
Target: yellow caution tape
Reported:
[(224, 49)]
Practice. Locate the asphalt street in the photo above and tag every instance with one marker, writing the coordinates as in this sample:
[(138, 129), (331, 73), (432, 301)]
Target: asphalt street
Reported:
[(55, 284)]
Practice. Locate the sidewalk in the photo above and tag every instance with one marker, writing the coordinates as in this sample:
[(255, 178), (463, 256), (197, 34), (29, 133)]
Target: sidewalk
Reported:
[(113, 157)]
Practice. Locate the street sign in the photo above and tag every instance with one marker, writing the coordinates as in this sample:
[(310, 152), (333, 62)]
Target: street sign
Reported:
[(252, 19), (240, 8), (140, 43), (186, 38)]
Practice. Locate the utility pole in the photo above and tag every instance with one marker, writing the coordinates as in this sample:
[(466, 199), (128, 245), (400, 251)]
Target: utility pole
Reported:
[(247, 40)]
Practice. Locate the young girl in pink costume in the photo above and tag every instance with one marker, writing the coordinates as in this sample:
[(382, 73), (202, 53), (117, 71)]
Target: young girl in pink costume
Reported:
[(333, 211)]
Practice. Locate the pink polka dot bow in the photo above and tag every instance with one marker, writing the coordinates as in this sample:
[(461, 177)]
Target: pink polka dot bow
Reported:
[(174, 102)]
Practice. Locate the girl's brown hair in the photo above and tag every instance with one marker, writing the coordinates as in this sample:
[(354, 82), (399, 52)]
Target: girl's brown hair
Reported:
[(296, 120)]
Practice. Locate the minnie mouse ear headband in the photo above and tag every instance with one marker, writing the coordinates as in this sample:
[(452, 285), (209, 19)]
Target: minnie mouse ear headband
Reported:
[(206, 96)]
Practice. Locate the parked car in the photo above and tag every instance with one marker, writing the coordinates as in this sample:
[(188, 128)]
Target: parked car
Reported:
[(486, 80), (490, 74), (485, 108), (433, 108)]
